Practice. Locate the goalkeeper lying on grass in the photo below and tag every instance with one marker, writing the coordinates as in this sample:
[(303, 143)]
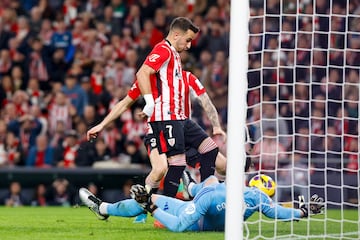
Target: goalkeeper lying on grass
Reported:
[(206, 211)]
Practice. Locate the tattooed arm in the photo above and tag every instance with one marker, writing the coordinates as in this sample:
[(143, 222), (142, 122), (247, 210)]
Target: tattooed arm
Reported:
[(212, 114)]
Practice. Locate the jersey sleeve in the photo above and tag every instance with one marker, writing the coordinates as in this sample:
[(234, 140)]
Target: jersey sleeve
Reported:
[(276, 211), (134, 91), (157, 57), (195, 84)]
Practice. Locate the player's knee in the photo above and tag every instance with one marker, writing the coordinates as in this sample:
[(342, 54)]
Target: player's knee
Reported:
[(207, 145), (159, 172), (220, 163), (210, 181)]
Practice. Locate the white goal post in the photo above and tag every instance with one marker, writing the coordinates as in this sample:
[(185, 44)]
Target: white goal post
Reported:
[(236, 118), (302, 109)]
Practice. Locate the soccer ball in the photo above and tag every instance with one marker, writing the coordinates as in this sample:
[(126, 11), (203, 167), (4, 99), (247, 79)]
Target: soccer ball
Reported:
[(264, 183)]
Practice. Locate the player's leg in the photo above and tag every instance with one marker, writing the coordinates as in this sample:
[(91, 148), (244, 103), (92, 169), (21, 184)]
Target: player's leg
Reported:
[(177, 165), (125, 208), (158, 158), (172, 142), (210, 157), (159, 168), (158, 162)]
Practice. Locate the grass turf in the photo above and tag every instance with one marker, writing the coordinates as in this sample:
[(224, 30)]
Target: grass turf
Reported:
[(38, 223)]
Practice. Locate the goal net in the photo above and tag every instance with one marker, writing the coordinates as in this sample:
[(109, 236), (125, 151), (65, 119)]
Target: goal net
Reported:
[(303, 112)]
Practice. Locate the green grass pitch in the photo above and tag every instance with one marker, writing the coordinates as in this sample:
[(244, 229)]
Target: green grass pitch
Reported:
[(51, 223)]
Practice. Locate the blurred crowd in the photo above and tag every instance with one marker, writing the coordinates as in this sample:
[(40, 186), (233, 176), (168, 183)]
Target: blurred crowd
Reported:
[(60, 192), (65, 63), (303, 93)]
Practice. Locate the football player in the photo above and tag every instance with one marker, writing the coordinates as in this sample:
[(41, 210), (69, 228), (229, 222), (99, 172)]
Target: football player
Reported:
[(206, 211)]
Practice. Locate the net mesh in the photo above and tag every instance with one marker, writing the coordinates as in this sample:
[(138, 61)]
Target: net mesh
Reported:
[(303, 111)]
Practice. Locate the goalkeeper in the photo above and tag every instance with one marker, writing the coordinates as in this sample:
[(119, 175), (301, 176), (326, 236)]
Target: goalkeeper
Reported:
[(205, 212)]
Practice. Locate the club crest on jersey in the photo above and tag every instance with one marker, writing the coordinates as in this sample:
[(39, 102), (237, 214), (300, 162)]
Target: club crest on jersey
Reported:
[(153, 57), (171, 141), (190, 209), (149, 129)]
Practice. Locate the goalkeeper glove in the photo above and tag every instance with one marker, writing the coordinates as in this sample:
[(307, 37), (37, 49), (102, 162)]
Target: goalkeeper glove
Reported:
[(302, 206), (316, 204), (140, 195)]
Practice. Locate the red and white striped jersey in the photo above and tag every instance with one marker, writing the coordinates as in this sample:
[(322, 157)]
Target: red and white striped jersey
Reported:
[(59, 113), (168, 84), (191, 84)]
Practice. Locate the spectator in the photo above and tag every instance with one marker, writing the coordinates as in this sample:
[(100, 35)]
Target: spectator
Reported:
[(9, 113), (7, 90), (133, 152), (60, 111), (269, 151), (119, 10), (151, 33), (333, 148), (14, 197), (97, 78), (125, 192), (75, 93), (5, 62), (5, 36), (58, 66), (42, 154), (36, 95), (133, 19), (35, 19), (66, 154), (58, 135), (351, 153), (91, 46), (143, 49), (38, 63), (271, 119), (26, 128), (3, 155), (39, 198), (294, 174), (112, 24), (46, 32), (15, 156), (70, 12), (213, 38), (90, 116), (23, 35), (113, 139), (216, 84), (3, 130), (62, 39), (60, 193), (95, 7), (91, 96), (135, 128), (81, 128), (102, 151), (124, 74)]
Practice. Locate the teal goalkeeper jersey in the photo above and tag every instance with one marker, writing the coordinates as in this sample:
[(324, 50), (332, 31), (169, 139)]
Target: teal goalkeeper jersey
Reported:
[(206, 212)]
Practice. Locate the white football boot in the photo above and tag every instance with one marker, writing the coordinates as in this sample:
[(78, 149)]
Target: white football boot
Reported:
[(187, 180), (92, 202)]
